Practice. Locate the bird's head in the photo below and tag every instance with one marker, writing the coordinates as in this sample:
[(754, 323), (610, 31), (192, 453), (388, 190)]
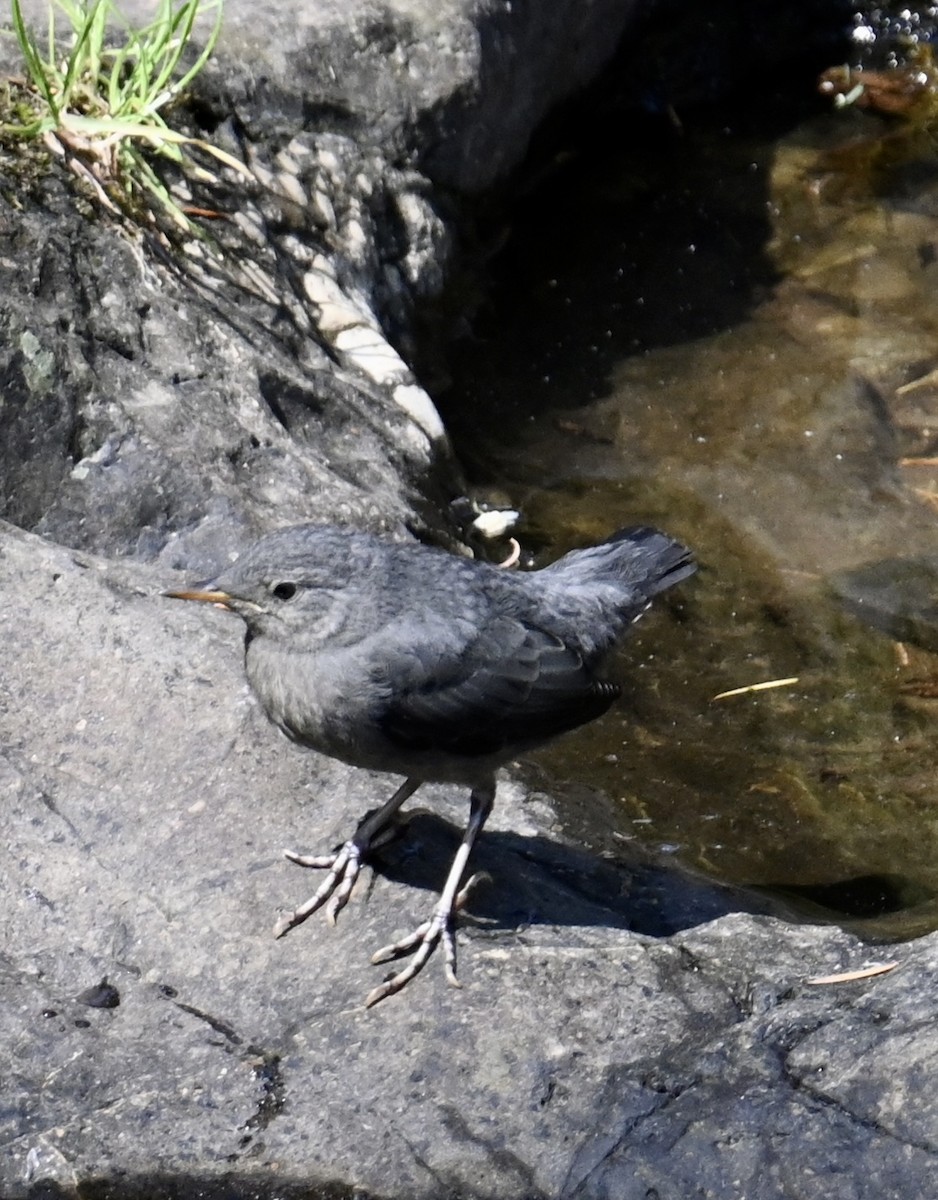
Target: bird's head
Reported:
[(289, 584)]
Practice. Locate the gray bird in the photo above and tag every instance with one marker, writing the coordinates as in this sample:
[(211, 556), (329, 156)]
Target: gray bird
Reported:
[(406, 659)]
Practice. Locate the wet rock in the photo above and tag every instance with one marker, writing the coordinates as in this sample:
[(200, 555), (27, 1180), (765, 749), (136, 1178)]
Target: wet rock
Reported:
[(604, 1042), (102, 995)]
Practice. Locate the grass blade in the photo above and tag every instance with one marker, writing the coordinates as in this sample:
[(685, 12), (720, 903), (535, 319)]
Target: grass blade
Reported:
[(100, 102)]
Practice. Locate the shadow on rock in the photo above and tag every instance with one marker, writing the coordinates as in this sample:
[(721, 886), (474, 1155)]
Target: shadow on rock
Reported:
[(180, 1187), (533, 880)]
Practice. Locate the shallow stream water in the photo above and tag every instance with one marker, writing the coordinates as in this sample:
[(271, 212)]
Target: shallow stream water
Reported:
[(732, 333)]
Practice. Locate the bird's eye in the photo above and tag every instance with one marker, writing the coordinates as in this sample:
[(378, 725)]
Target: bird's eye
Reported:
[(284, 591)]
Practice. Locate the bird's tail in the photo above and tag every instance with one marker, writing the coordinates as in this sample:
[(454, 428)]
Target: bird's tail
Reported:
[(646, 558), (640, 561), (596, 592), (617, 580)]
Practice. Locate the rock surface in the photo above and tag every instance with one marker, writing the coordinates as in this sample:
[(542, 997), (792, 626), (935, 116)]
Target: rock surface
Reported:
[(621, 1031), (608, 1040)]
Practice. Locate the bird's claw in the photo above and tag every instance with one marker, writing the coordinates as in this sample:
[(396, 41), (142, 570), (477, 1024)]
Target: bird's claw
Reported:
[(422, 942), (311, 860), (343, 867), (345, 864)]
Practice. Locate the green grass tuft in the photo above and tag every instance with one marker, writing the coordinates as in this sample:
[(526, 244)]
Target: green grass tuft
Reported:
[(102, 105)]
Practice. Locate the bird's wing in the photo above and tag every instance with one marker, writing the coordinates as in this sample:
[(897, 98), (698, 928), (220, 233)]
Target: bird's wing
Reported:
[(514, 686)]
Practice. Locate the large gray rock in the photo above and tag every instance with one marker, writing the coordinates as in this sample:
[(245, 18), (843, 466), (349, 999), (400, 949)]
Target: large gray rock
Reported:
[(140, 420), (146, 800), (146, 413)]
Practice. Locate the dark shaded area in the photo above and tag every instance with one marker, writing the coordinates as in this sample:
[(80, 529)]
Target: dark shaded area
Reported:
[(583, 889), (863, 897), (620, 235), (626, 891), (689, 55), (195, 1187)]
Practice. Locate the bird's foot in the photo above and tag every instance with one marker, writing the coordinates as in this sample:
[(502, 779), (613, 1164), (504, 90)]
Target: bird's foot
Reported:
[(421, 943), (343, 867)]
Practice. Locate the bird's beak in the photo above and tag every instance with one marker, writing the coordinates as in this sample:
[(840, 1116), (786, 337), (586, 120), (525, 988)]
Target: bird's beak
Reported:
[(222, 599)]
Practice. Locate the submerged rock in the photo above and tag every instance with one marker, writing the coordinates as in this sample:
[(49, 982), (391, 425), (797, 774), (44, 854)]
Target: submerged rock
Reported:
[(898, 596)]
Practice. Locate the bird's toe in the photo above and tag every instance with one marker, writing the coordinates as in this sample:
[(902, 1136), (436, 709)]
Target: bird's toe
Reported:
[(343, 867)]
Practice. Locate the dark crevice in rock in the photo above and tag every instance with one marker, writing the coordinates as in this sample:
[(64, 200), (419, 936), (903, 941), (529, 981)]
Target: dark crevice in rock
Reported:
[(215, 1023), (231, 1185), (273, 1087), (506, 1163), (264, 1064), (814, 1095)]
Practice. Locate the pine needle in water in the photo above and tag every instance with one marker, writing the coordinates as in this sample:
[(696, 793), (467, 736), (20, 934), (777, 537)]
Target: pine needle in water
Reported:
[(765, 686)]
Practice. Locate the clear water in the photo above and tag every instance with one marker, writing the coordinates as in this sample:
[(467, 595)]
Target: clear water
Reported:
[(731, 334)]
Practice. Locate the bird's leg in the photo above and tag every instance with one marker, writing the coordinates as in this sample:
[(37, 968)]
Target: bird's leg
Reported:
[(439, 928), (343, 866)]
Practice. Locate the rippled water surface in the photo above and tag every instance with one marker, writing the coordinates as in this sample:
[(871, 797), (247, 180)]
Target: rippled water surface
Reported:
[(734, 335)]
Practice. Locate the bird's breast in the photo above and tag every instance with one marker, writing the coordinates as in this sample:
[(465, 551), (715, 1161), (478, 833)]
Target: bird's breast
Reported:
[(325, 699), (335, 701)]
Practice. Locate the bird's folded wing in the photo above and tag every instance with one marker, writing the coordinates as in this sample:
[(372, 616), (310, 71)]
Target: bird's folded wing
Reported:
[(513, 686)]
